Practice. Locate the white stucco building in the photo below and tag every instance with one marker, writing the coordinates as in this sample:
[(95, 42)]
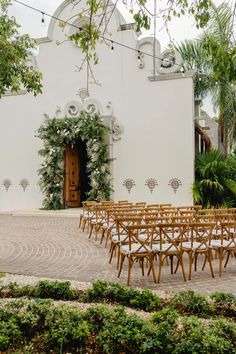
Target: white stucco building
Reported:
[(151, 116)]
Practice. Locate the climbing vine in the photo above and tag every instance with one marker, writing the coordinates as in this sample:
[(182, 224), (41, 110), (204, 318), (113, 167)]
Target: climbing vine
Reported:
[(56, 134)]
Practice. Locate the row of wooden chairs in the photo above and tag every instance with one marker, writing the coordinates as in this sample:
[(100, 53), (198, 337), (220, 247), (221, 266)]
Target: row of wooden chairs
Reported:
[(138, 232)]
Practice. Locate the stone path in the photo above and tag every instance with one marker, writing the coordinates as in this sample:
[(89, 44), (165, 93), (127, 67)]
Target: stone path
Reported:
[(55, 247)]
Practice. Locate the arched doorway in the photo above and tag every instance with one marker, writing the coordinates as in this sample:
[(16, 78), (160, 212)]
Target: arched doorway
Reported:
[(76, 181)]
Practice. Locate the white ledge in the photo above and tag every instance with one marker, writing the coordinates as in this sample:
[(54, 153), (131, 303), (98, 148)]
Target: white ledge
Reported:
[(19, 93), (43, 40), (171, 76)]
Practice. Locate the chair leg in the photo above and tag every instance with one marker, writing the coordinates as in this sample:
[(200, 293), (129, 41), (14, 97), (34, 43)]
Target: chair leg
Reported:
[(129, 270), (209, 255), (182, 267), (220, 261), (204, 264), (195, 262), (121, 264), (91, 230), (227, 259), (80, 220), (159, 270), (113, 246), (190, 264), (177, 266), (142, 266), (103, 234), (171, 264), (152, 268), (118, 257)]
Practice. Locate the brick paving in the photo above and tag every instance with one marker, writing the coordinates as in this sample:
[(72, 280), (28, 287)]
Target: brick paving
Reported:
[(55, 247)]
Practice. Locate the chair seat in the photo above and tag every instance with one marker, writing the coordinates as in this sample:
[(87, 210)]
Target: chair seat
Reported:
[(224, 244), (193, 246), (135, 248), (116, 239), (166, 247)]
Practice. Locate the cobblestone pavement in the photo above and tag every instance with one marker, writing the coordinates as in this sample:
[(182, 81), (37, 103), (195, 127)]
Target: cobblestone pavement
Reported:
[(56, 248)]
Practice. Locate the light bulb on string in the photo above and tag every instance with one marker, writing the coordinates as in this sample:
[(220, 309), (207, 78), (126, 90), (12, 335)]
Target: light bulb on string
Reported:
[(139, 57), (112, 46), (43, 20)]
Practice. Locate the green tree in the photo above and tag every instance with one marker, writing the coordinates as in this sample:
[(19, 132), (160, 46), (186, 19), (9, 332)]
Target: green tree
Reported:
[(215, 183), (213, 57), (15, 49)]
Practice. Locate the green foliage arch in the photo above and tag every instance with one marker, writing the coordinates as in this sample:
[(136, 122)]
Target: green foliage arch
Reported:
[(56, 134)]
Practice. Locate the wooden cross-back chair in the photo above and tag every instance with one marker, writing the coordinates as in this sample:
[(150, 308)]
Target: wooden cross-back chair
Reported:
[(121, 234), (187, 212), (99, 221), (88, 213), (115, 212), (226, 244), (171, 236), (168, 212), (199, 244), (138, 249)]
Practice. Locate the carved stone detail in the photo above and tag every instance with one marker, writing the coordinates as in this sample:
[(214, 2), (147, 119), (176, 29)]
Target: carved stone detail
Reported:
[(175, 183), (24, 183), (128, 184), (171, 62), (83, 93), (117, 130), (151, 183), (92, 106), (7, 183), (73, 108)]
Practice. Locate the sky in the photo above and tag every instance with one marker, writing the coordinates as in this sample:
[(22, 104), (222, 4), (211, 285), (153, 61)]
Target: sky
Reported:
[(179, 29)]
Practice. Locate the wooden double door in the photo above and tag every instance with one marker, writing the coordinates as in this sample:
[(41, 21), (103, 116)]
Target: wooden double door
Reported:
[(76, 180)]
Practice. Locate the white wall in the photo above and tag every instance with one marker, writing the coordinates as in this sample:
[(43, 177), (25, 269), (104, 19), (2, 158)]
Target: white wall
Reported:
[(157, 116)]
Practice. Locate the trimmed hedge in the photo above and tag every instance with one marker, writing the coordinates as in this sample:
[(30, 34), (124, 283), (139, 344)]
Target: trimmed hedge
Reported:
[(38, 326), (185, 302)]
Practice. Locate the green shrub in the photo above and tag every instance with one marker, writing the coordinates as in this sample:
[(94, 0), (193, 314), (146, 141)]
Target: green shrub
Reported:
[(65, 329), (54, 290), (217, 336), (9, 330), (188, 302), (116, 332), (224, 303), (167, 314), (114, 292)]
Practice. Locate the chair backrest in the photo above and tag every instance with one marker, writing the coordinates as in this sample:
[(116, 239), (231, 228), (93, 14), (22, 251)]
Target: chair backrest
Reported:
[(143, 244), (205, 217), (172, 234), (164, 206), (187, 212), (206, 211), (228, 232), (122, 222), (183, 218), (201, 232), (89, 207)]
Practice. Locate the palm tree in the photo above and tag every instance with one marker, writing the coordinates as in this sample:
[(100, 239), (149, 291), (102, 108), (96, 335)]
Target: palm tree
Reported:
[(213, 57), (215, 183)]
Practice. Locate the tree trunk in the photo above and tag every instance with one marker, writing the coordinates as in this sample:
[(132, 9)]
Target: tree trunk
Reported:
[(222, 145)]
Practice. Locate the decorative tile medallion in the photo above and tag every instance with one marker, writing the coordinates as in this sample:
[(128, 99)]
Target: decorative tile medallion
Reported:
[(151, 183), (175, 183), (24, 183), (83, 93), (129, 184), (7, 183)]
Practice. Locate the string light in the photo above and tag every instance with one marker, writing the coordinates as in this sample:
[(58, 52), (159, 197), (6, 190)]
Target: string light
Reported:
[(112, 42), (100, 36), (112, 46), (42, 20), (139, 56)]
